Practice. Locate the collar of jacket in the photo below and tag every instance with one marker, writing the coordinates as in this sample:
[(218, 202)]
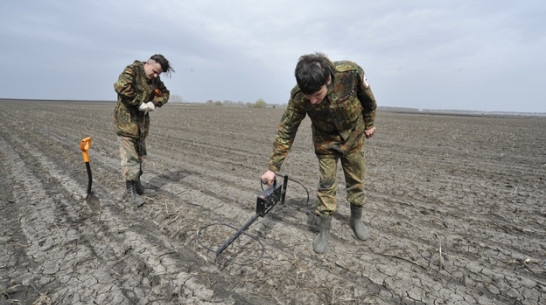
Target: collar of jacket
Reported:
[(330, 87)]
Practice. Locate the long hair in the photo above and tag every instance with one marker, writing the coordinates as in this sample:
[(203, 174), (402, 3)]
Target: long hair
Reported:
[(163, 62)]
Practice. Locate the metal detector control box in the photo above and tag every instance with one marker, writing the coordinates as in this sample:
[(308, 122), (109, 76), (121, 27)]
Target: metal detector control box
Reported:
[(270, 197)]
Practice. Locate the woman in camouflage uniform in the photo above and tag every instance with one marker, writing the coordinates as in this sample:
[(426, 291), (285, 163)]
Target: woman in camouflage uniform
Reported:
[(140, 90), (338, 100)]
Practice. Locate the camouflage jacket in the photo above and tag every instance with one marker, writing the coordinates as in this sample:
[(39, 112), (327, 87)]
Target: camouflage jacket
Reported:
[(338, 122), (134, 88)]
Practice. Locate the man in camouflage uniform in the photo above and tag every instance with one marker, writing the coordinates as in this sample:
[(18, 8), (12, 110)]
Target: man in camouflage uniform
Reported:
[(341, 105), (140, 91)]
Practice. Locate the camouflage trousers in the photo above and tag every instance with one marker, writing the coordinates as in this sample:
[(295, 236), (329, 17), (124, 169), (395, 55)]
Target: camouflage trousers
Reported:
[(354, 168), (132, 153)]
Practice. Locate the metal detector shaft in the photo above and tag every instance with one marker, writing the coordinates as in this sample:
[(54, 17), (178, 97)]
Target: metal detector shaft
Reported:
[(264, 203), (236, 235)]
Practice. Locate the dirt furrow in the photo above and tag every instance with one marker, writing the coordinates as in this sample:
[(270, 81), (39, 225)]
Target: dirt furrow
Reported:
[(55, 244), (78, 256), (454, 209)]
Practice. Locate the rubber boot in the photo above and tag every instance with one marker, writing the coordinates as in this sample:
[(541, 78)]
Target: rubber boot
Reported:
[(141, 190), (361, 231), (321, 240), (131, 194)]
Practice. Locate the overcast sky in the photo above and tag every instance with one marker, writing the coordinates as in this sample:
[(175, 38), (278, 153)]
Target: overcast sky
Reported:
[(487, 55)]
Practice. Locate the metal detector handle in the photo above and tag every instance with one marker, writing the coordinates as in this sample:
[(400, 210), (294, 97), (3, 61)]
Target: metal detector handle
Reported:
[(264, 182), (284, 184), (85, 144), (270, 197), (283, 188)]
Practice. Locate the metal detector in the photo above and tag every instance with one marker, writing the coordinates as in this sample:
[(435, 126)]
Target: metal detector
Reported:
[(264, 203)]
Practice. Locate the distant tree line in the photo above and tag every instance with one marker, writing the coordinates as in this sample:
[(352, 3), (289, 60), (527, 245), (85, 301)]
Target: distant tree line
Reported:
[(260, 103)]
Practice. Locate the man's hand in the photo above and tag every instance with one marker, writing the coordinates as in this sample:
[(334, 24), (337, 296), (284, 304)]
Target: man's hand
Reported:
[(146, 107), (369, 132), (268, 177)]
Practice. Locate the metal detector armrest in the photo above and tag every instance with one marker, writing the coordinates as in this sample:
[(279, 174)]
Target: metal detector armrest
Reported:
[(270, 197)]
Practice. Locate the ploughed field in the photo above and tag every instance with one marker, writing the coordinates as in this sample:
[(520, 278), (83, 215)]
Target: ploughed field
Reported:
[(455, 207)]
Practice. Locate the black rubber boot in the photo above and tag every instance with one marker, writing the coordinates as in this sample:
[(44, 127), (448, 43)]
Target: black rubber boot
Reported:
[(321, 240), (131, 194), (361, 231), (141, 190)]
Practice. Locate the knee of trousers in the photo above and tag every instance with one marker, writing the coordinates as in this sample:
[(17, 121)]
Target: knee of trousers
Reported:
[(356, 195), (326, 205)]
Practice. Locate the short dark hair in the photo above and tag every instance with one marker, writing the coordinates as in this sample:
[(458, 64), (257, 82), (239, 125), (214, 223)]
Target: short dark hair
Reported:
[(163, 62), (312, 72)]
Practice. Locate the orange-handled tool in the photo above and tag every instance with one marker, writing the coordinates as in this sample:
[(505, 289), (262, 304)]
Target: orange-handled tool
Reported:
[(84, 146), (92, 200)]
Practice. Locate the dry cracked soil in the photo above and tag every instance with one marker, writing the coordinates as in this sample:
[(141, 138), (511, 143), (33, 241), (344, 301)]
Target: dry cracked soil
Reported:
[(455, 207)]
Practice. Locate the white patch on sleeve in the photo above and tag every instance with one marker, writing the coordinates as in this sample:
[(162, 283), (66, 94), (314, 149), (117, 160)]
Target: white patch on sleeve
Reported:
[(365, 82)]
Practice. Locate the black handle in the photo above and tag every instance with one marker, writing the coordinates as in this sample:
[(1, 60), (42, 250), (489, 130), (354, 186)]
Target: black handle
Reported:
[(90, 178)]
